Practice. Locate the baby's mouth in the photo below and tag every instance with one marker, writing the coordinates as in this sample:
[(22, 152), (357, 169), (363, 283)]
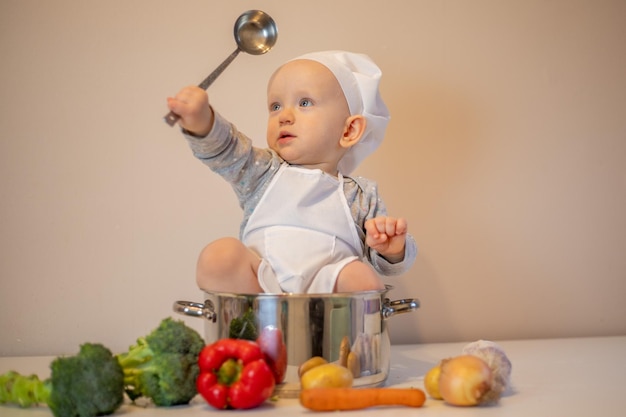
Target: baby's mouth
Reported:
[(285, 136)]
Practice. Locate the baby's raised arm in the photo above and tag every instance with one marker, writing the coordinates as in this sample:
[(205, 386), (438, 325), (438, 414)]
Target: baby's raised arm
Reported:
[(192, 105)]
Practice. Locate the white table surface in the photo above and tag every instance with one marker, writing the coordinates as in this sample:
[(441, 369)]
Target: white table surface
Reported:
[(583, 377)]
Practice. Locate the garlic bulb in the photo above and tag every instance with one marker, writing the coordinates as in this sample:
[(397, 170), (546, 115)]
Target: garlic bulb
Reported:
[(497, 360)]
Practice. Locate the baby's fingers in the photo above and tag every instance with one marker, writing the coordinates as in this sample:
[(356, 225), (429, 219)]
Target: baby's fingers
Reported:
[(401, 227), (372, 227), (189, 100), (389, 226)]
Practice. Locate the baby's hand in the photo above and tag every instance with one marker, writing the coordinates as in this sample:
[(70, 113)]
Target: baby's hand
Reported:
[(192, 105), (387, 236)]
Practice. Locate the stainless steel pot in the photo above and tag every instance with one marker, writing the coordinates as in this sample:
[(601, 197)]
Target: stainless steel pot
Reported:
[(311, 325)]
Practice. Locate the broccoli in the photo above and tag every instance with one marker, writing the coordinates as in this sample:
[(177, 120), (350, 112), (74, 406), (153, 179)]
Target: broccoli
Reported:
[(86, 385), (244, 327), (163, 366)]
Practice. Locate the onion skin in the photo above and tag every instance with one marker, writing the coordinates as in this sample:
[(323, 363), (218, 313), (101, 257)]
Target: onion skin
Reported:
[(467, 380)]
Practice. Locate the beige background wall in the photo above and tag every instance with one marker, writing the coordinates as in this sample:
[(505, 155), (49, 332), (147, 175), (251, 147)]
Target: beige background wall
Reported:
[(506, 152)]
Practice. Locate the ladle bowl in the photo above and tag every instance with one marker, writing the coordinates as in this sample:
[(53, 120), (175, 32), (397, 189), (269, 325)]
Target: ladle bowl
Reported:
[(255, 33)]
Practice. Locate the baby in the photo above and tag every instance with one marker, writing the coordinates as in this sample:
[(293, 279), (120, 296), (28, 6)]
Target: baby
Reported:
[(308, 226)]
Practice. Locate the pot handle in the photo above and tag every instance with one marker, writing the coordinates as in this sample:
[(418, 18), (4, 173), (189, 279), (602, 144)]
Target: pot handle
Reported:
[(189, 308), (406, 305)]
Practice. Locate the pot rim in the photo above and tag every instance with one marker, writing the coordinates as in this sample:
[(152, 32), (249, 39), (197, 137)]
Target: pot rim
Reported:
[(302, 295)]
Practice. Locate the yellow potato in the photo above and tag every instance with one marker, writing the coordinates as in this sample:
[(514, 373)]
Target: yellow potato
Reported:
[(329, 375), (310, 364), (431, 382)]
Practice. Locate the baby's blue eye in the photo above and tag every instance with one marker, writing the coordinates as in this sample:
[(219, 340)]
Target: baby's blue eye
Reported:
[(274, 106), (306, 102)]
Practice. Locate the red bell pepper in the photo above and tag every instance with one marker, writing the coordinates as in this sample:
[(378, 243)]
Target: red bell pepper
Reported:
[(234, 374), (272, 345)]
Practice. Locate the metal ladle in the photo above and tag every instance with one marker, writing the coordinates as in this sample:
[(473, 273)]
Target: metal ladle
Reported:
[(255, 33)]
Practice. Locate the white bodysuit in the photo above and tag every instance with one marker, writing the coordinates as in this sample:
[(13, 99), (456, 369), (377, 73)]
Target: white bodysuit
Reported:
[(303, 231)]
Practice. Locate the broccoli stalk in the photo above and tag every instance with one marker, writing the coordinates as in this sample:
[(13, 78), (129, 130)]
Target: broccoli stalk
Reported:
[(86, 385), (23, 390), (163, 366)]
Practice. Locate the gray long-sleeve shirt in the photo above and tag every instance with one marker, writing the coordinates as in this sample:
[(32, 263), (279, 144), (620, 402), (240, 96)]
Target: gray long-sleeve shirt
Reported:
[(249, 170)]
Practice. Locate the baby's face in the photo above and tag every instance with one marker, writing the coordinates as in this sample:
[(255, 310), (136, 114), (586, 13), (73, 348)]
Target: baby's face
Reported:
[(307, 115)]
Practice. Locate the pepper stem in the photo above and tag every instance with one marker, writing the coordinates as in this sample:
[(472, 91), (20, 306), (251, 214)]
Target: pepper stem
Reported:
[(229, 372)]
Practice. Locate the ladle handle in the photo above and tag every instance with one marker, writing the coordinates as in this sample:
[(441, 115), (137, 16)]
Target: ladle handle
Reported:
[(171, 118)]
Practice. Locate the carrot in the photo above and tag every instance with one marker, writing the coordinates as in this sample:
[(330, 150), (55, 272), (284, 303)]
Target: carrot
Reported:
[(334, 399)]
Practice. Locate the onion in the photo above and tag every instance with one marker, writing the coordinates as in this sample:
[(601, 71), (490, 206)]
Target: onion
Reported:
[(467, 380)]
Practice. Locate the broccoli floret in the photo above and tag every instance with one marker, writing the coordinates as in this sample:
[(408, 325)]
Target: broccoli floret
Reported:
[(163, 366), (244, 327), (86, 385)]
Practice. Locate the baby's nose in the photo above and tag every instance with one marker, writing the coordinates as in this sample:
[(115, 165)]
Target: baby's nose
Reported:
[(286, 115)]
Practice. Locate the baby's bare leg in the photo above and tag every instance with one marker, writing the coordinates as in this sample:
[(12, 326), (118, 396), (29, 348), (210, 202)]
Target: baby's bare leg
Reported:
[(227, 265), (358, 276)]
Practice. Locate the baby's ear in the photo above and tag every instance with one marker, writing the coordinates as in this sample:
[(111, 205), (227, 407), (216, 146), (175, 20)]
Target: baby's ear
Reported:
[(355, 127)]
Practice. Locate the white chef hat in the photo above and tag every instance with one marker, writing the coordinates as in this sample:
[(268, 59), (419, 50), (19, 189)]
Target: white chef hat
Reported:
[(358, 77)]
